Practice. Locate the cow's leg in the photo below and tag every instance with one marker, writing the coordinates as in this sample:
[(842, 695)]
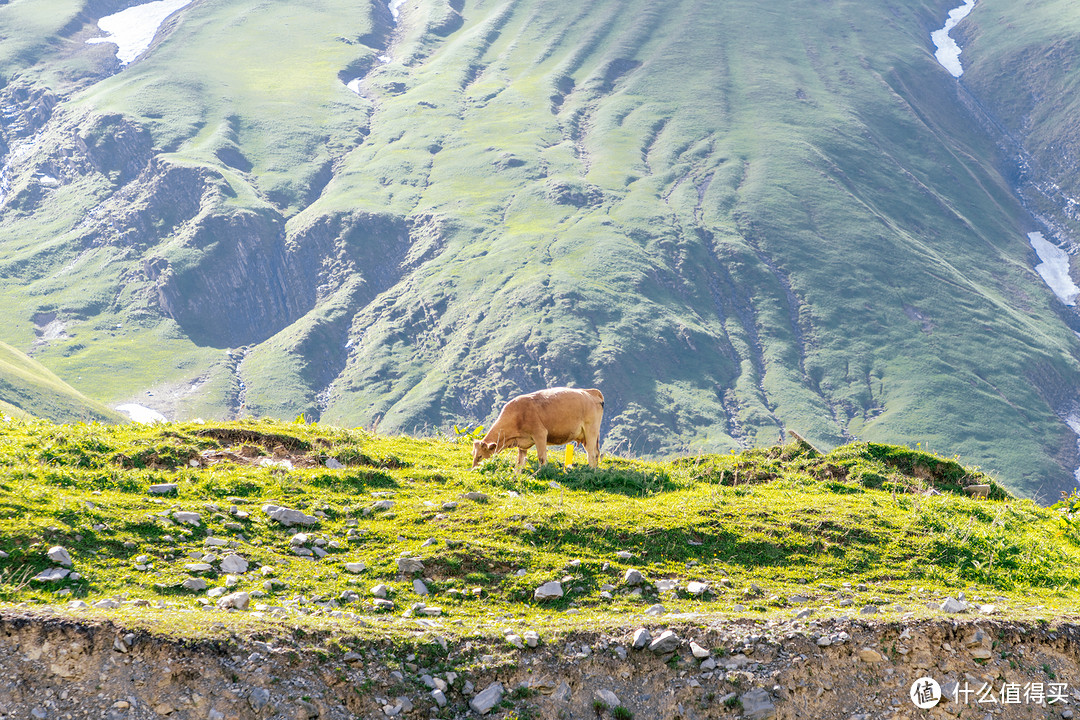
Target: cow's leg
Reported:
[(522, 452), (541, 448), (592, 445)]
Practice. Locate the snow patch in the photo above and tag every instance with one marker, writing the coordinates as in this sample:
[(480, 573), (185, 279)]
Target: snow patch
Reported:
[(1073, 421), (395, 8), (1054, 268), (948, 52), (133, 30), (141, 414)]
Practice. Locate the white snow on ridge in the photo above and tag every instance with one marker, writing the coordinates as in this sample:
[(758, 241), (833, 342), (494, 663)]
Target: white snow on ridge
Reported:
[(141, 414), (395, 6), (1054, 268), (948, 52), (133, 30)]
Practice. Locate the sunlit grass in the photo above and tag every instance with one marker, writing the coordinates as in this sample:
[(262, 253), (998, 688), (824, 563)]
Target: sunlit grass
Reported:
[(872, 524)]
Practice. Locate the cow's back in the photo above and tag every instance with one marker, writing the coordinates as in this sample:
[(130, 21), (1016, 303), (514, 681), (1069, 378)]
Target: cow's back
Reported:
[(565, 412)]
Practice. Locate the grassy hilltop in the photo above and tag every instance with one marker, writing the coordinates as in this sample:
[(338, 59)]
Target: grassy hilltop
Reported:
[(767, 531), (733, 219)]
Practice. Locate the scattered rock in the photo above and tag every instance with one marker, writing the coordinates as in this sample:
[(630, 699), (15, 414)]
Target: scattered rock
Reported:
[(532, 638), (667, 642), (548, 591), (439, 697), (258, 698), (334, 464), (51, 575), (237, 600), (488, 698), (641, 639), (656, 610), (162, 488), (699, 652), (633, 577), (696, 588), (288, 517), (196, 584), (869, 655), (409, 565), (380, 591), (379, 505), (234, 564), (419, 587), (476, 497), (60, 555), (187, 518), (952, 605), (355, 567), (757, 705), (608, 698)]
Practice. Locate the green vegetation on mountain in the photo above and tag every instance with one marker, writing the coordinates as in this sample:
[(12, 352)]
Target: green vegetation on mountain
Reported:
[(865, 524), (28, 389), (732, 218)]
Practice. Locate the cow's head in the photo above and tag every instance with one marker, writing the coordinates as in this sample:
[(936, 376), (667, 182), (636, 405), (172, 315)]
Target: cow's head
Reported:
[(482, 451)]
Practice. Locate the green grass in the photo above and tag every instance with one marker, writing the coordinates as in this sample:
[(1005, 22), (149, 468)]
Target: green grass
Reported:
[(872, 524), (733, 221), (28, 389)]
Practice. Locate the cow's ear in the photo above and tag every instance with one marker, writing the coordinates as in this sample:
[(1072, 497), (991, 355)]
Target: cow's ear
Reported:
[(490, 446)]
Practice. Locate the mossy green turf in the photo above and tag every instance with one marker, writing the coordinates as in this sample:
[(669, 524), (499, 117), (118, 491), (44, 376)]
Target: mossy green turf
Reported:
[(784, 519), (731, 218)]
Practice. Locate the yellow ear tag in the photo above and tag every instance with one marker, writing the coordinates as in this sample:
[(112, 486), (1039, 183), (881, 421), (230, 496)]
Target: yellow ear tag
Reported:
[(569, 454)]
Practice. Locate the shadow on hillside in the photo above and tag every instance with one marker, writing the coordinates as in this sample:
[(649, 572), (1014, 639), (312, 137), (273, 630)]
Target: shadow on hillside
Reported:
[(614, 476)]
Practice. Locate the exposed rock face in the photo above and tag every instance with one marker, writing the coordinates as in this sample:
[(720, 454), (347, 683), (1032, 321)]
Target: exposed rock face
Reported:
[(247, 305), (92, 667)]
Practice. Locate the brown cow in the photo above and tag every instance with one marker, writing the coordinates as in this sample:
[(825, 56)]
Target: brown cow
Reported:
[(546, 417)]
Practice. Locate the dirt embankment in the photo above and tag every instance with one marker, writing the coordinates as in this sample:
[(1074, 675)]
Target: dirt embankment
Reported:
[(61, 668)]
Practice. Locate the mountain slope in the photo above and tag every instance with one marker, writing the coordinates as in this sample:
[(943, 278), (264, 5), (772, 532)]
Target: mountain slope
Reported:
[(27, 389), (732, 219)]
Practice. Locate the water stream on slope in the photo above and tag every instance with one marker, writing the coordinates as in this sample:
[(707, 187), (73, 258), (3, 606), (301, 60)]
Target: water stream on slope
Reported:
[(394, 6), (133, 30), (1053, 267), (948, 52)]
